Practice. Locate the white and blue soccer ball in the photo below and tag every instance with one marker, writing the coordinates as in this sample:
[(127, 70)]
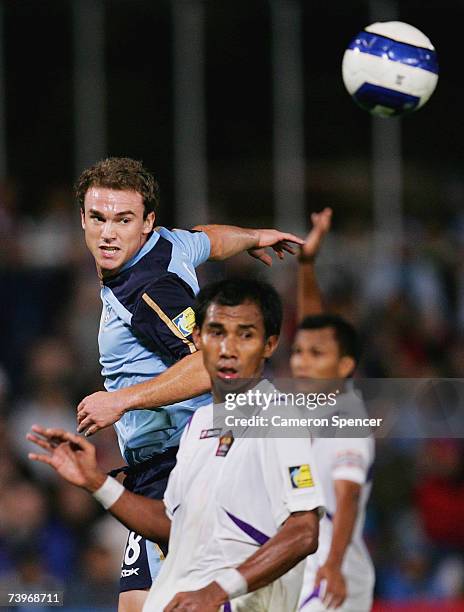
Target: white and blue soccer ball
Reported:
[(390, 68)]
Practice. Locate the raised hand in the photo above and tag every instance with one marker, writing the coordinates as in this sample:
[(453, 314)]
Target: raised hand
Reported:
[(70, 455), (321, 225)]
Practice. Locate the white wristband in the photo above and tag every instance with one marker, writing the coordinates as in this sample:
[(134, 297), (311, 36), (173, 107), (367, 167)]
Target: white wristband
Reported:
[(232, 582), (109, 493)]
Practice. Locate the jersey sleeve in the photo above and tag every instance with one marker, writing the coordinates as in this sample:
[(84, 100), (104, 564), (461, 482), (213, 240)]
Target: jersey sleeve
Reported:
[(291, 477), (194, 243), (351, 459), (164, 317)]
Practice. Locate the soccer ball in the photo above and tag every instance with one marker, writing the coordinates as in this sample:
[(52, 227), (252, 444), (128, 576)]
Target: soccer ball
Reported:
[(390, 68)]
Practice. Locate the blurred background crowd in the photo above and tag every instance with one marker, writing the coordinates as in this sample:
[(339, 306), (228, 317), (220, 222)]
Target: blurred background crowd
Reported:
[(404, 291), (409, 314)]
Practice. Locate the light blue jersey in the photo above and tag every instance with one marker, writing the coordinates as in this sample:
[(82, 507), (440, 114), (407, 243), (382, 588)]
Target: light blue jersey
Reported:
[(145, 327)]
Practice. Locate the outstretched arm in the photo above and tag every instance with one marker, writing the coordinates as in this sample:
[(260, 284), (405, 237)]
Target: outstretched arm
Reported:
[(309, 295), (229, 240), (297, 539), (185, 379), (74, 459)]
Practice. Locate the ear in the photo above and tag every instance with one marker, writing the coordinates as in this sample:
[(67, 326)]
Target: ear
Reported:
[(196, 336), (149, 223), (346, 366), (270, 346), (82, 219)]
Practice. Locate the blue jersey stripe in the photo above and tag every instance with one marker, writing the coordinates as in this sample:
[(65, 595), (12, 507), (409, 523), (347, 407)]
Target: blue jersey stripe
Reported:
[(368, 96), (381, 46)]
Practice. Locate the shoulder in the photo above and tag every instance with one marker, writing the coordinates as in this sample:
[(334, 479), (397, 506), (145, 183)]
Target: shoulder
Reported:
[(179, 237), (201, 420), (202, 416), (192, 245), (169, 294), (350, 450)]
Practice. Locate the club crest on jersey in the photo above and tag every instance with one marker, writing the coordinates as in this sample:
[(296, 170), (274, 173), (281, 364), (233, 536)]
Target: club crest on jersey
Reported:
[(185, 321), (225, 442), (301, 477), (210, 433)]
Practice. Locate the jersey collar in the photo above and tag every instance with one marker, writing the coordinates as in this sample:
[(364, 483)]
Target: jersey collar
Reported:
[(150, 243)]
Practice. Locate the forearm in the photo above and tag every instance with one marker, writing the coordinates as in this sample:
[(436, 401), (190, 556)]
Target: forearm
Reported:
[(185, 379), (309, 294), (297, 539), (343, 524), (229, 240), (145, 516)]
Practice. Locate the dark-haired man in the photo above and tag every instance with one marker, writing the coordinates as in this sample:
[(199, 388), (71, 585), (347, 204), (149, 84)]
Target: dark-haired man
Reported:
[(326, 346), (239, 527), (148, 290)]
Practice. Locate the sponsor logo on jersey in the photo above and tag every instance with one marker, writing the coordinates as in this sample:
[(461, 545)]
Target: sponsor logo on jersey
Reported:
[(225, 442), (185, 321), (125, 573), (210, 433), (301, 477)]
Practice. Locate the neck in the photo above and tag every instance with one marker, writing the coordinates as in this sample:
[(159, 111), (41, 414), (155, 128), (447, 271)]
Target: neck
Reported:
[(106, 274), (222, 388)]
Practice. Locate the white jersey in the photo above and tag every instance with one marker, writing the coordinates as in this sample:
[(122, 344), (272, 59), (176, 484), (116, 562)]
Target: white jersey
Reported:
[(226, 497), (343, 459)]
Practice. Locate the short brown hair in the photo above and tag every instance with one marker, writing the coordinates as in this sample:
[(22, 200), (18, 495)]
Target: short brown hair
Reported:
[(120, 173)]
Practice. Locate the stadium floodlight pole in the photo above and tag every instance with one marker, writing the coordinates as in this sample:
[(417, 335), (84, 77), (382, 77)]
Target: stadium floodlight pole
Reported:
[(190, 159), (288, 119), (3, 145), (387, 164), (89, 83)]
